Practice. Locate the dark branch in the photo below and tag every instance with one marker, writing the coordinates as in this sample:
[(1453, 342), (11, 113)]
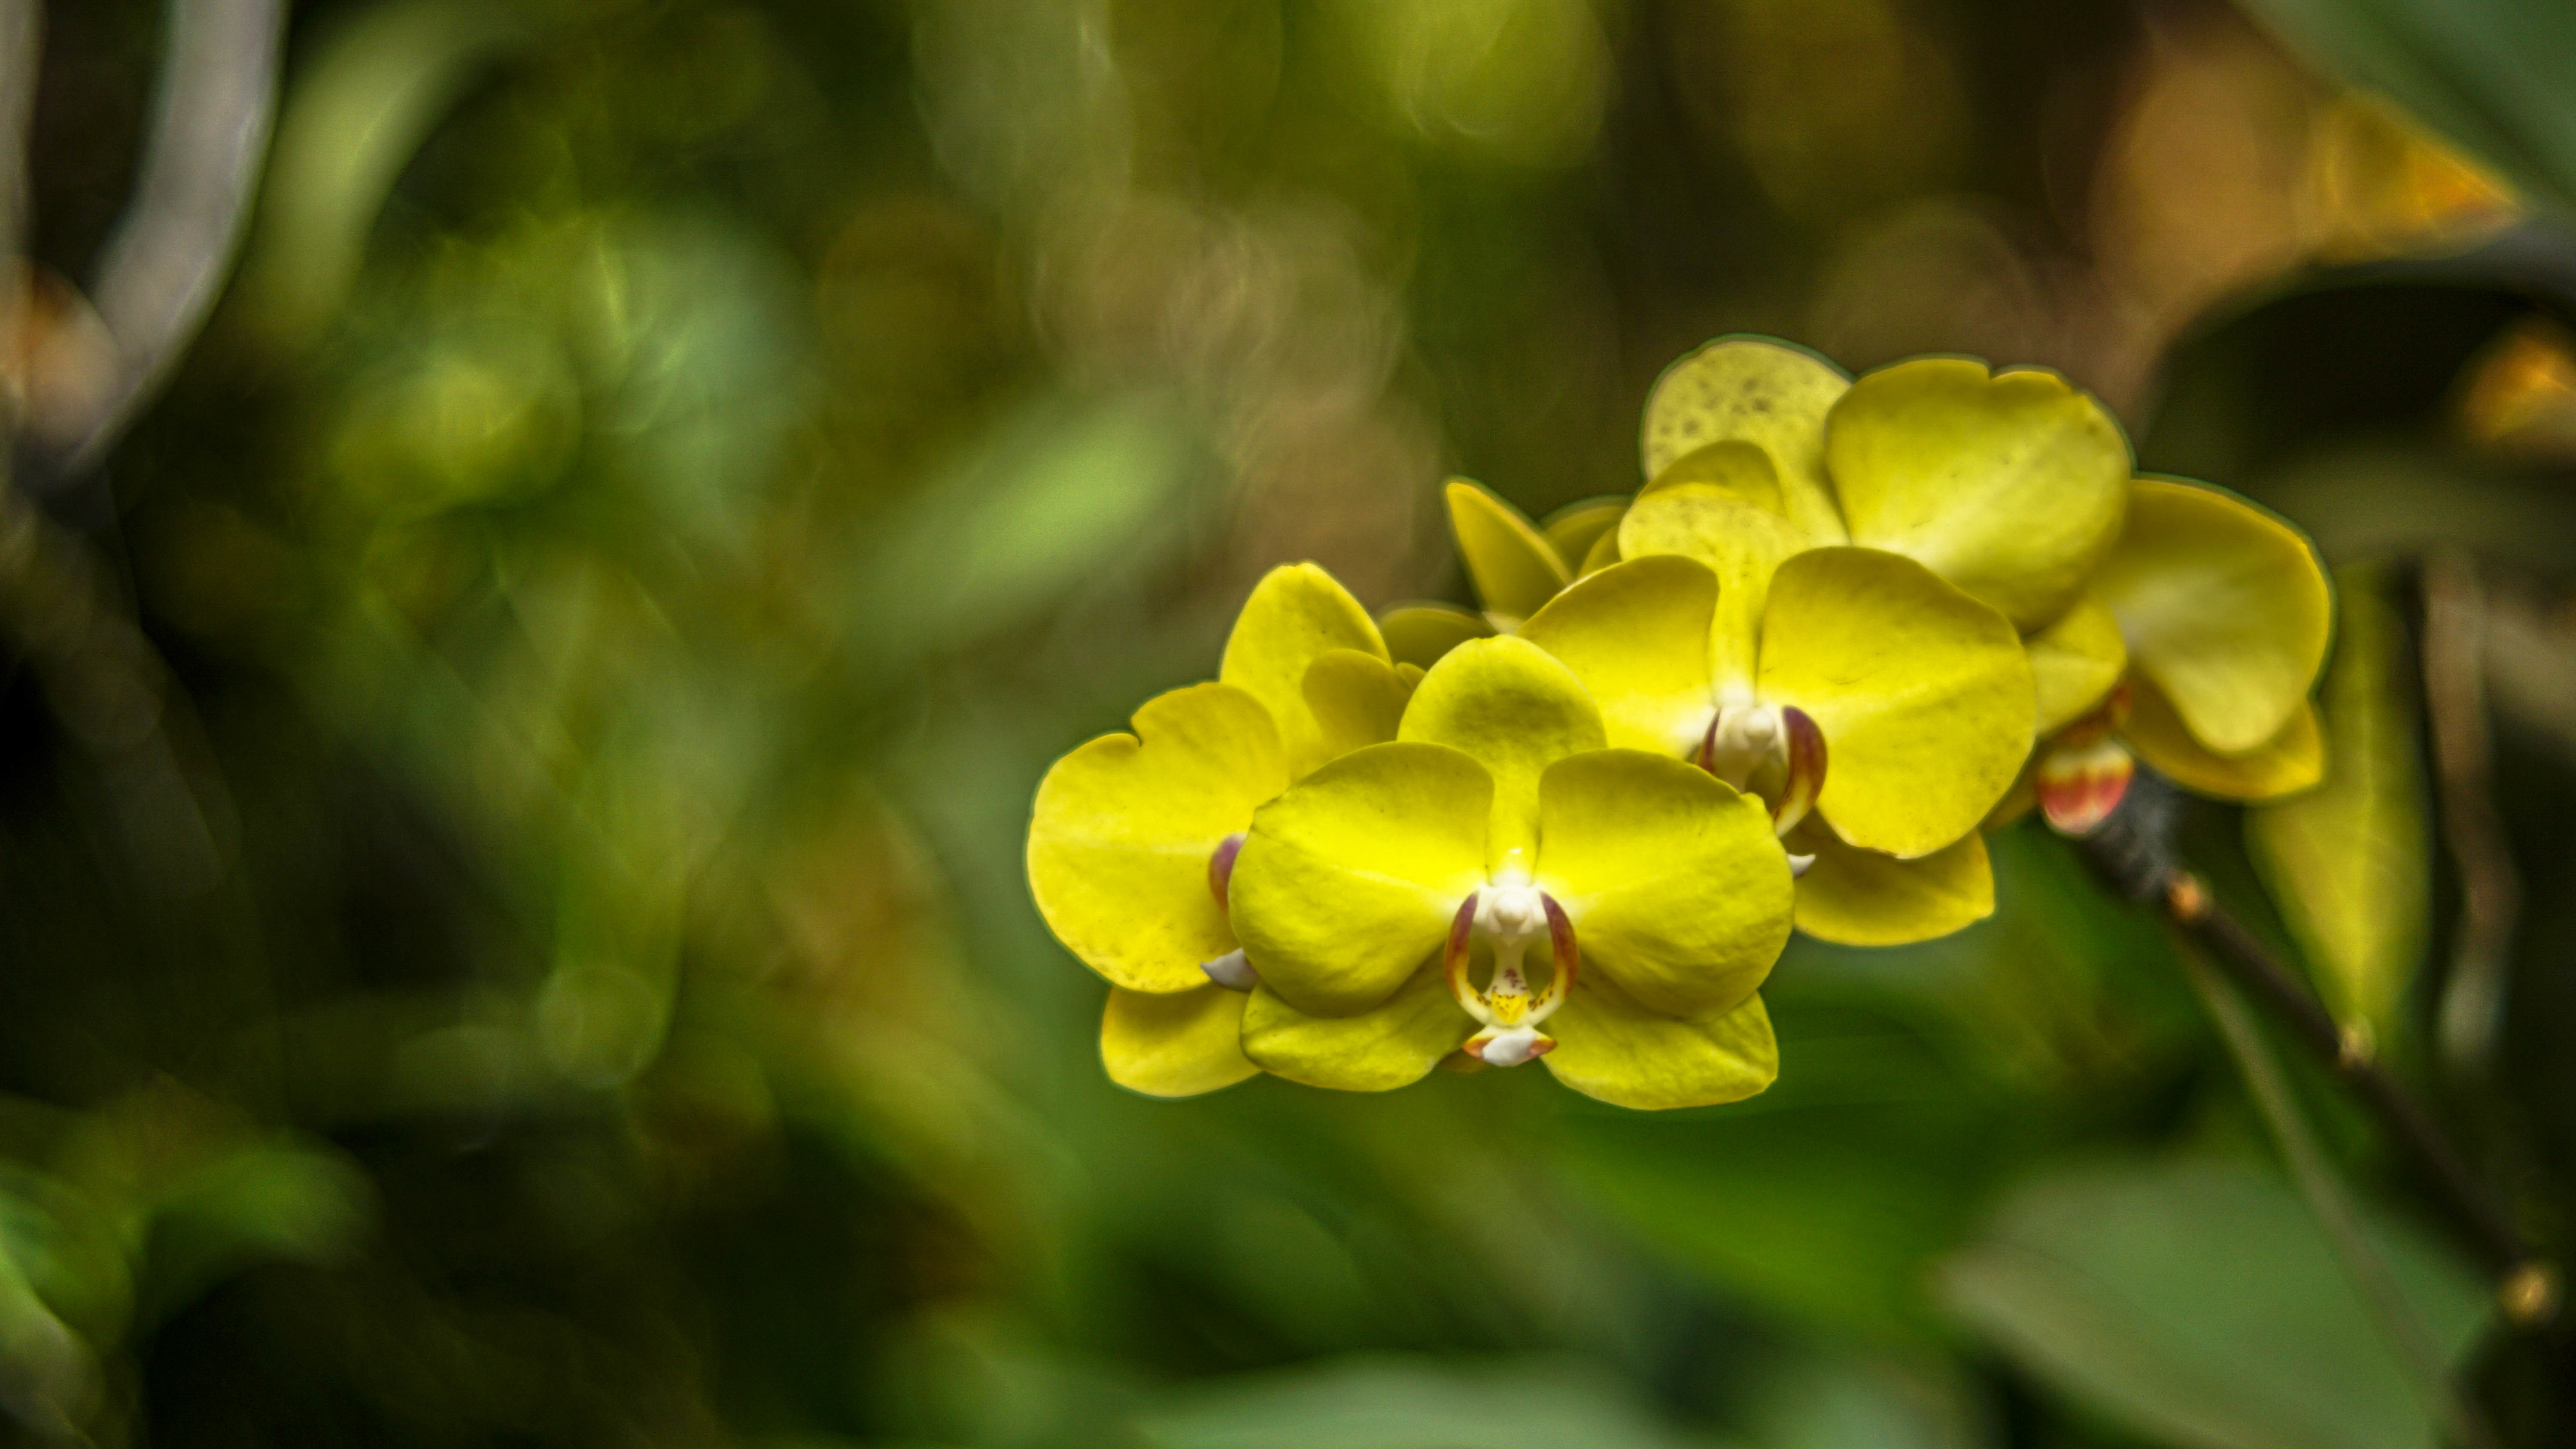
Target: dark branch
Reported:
[(2134, 852)]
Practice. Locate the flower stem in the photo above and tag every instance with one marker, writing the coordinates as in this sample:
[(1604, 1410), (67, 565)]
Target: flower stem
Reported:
[(2398, 1322), (2134, 852)]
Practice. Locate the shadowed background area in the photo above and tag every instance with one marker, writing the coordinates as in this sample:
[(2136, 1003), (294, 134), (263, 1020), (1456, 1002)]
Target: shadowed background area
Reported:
[(526, 942)]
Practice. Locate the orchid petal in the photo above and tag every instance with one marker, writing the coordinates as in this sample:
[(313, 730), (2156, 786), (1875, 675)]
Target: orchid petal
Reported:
[(1636, 635), (1295, 613), (1742, 542), (1346, 882), (1857, 897), (2010, 485), (2225, 608), (1673, 880), (1176, 1044), (1418, 634), (1923, 694), (2285, 764), (1391, 1045), (1514, 709), (1574, 528), (2075, 662), (1123, 827), (1758, 391), (1356, 699), (1611, 1046), (1514, 567)]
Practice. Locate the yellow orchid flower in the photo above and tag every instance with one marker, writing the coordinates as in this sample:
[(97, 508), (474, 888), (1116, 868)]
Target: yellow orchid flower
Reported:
[(1515, 565), (2007, 485), (2213, 617), (1847, 680), (1132, 836), (1374, 895)]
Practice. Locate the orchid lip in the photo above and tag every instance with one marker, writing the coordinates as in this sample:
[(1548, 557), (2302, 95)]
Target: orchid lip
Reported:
[(1775, 751), (1511, 916)]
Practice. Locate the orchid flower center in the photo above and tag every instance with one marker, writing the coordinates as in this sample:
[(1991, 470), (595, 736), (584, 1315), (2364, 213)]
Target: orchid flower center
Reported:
[(1774, 751), (1508, 916)]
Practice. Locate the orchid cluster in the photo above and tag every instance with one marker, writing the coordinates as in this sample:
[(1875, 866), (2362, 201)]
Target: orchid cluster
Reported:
[(1845, 626)]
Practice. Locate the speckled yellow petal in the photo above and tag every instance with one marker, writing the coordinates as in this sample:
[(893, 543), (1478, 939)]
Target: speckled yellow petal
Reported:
[(1576, 527), (1861, 898), (1347, 882), (2074, 662), (1740, 541), (1510, 706), (1754, 390), (2225, 608), (1672, 879), (1610, 1046), (1418, 634), (1636, 634), (1122, 829), (2289, 762), (1514, 567), (1393, 1044), (1603, 553), (1356, 699), (1175, 1045), (1731, 466), (1923, 694), (1296, 612), (2010, 486)]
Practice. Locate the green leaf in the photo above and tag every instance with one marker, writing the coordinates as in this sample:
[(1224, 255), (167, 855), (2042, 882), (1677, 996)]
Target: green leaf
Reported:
[(2348, 862), (2497, 77), (2199, 1304)]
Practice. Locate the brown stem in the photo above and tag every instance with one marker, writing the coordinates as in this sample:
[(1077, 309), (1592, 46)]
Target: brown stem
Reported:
[(2133, 852), (2399, 1323)]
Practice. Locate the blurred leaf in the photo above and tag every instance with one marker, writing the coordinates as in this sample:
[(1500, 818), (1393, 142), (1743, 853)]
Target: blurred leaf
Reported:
[(1843, 1402), (1823, 1199), (276, 1200), (1065, 491), (690, 330), (47, 1374), (2370, 498), (1367, 1403), (2497, 76), (2349, 862), (2199, 1304), (356, 114)]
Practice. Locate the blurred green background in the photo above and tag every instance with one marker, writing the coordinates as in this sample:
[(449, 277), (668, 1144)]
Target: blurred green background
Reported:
[(667, 476)]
